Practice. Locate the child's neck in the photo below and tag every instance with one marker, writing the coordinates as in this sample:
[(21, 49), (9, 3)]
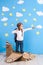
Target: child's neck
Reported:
[(20, 29)]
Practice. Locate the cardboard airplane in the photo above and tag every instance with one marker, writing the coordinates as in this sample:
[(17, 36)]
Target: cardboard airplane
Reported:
[(12, 56)]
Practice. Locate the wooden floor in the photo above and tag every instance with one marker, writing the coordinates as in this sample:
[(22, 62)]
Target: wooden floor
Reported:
[(38, 60)]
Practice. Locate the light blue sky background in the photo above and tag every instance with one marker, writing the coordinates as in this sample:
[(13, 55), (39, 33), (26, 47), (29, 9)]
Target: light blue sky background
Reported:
[(27, 11)]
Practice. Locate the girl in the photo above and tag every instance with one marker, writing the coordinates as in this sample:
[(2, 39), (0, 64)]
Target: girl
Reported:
[(20, 35)]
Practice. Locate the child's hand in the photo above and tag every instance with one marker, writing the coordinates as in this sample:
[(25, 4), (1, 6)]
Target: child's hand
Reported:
[(33, 27)]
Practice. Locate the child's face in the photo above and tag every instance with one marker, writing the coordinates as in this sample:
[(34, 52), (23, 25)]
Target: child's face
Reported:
[(21, 27)]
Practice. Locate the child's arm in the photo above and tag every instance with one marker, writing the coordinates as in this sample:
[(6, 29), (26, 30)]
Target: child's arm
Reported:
[(27, 29), (14, 31)]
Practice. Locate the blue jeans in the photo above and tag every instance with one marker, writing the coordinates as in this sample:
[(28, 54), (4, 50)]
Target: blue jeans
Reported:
[(19, 44)]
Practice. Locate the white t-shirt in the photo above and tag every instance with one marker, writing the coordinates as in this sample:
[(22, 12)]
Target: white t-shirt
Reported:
[(20, 34)]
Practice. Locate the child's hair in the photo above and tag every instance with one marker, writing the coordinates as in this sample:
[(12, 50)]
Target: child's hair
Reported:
[(19, 24)]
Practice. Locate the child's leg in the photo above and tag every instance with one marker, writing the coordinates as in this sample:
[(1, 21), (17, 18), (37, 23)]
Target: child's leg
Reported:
[(21, 46), (17, 46)]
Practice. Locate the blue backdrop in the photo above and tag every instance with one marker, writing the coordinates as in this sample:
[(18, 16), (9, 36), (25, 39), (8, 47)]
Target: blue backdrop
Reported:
[(30, 13)]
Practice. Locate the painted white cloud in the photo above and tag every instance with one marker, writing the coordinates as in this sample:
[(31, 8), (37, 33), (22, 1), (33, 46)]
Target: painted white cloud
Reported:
[(20, 2), (4, 9), (4, 19), (40, 1), (39, 13), (39, 26), (18, 14)]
